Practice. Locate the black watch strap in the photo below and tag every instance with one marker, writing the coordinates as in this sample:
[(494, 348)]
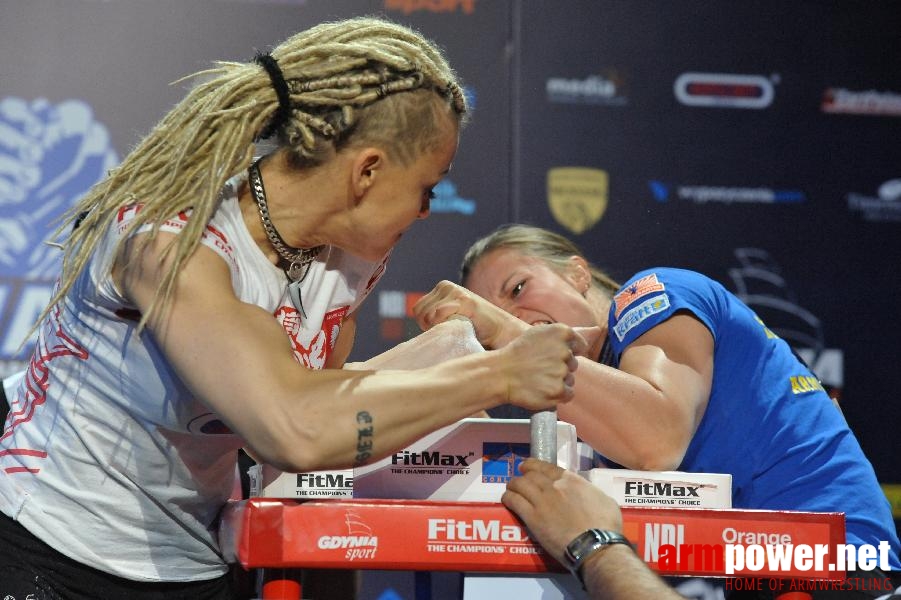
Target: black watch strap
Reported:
[(586, 544)]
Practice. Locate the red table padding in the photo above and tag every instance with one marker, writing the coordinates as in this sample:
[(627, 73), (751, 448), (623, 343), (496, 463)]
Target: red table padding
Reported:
[(423, 535)]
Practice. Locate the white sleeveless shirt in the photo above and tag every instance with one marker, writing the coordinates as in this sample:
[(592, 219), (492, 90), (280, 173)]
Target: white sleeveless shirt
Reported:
[(105, 456)]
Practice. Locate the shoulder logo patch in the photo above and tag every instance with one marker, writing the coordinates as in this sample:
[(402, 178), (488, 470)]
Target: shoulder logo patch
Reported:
[(644, 286), (649, 307)]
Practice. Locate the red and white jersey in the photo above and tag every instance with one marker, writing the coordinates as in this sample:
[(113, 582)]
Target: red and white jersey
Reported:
[(105, 455)]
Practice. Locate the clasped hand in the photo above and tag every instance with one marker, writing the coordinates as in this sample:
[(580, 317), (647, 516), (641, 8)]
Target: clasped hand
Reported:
[(537, 362)]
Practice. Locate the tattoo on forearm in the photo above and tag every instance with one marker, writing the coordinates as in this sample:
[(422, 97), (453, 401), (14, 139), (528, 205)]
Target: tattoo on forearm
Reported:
[(364, 437)]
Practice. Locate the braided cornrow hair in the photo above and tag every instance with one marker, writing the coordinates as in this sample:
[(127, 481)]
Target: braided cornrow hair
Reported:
[(550, 247), (363, 80)]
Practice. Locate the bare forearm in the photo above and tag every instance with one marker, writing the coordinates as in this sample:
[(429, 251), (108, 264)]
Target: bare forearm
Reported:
[(626, 419), (342, 417), (616, 573), (345, 418)]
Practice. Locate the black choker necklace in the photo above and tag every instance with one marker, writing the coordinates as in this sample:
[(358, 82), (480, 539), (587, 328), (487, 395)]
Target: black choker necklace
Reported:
[(297, 259)]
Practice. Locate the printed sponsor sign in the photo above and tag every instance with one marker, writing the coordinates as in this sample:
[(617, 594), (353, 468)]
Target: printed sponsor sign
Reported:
[(577, 196), (885, 206), (674, 489), (471, 460), (467, 7), (866, 102), (484, 537), (597, 89), (724, 90)]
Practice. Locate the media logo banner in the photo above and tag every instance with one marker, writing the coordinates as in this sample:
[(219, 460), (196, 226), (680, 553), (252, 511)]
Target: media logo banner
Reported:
[(868, 102), (448, 200), (606, 89), (467, 7), (885, 206), (702, 194), (724, 90)]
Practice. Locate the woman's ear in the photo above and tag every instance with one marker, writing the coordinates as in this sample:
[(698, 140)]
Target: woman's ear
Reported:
[(579, 274), (367, 165)]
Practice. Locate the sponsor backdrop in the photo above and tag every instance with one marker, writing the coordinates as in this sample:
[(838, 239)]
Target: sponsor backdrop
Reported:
[(756, 142)]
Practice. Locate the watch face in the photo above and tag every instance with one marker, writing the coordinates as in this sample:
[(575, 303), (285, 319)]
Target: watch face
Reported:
[(577, 549), (583, 542), (586, 543)]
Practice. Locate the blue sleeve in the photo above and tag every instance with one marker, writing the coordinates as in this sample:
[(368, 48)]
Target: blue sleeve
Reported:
[(652, 296)]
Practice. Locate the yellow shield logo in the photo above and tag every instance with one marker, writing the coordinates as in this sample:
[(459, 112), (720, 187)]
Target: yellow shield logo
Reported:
[(577, 196)]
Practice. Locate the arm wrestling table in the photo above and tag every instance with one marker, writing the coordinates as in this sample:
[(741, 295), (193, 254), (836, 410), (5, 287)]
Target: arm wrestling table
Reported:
[(421, 535)]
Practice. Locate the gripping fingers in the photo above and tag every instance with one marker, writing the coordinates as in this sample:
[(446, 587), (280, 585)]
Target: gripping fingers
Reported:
[(572, 344), (433, 309), (445, 300), (542, 469), (542, 365)]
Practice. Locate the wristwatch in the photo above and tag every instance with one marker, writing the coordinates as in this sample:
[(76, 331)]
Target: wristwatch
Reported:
[(586, 544)]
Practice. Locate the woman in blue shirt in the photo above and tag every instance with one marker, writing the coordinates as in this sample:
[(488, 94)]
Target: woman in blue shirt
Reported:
[(685, 377)]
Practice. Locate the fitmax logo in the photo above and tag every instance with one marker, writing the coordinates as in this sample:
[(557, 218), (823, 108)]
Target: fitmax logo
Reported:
[(429, 459), (325, 480), (474, 531), (659, 488)]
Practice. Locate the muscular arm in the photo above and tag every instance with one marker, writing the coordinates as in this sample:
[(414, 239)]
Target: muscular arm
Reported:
[(644, 414), (236, 358)]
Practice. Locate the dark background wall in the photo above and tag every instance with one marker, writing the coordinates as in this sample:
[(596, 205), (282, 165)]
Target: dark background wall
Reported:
[(758, 142)]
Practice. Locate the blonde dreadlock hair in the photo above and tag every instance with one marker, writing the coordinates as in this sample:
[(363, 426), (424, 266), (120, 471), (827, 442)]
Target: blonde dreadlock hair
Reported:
[(552, 248), (363, 80)]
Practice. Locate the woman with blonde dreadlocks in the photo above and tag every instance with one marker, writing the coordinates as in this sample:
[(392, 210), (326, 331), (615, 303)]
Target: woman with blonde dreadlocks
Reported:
[(194, 283)]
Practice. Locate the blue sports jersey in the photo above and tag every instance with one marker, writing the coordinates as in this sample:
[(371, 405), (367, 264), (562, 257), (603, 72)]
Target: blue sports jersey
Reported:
[(769, 422)]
